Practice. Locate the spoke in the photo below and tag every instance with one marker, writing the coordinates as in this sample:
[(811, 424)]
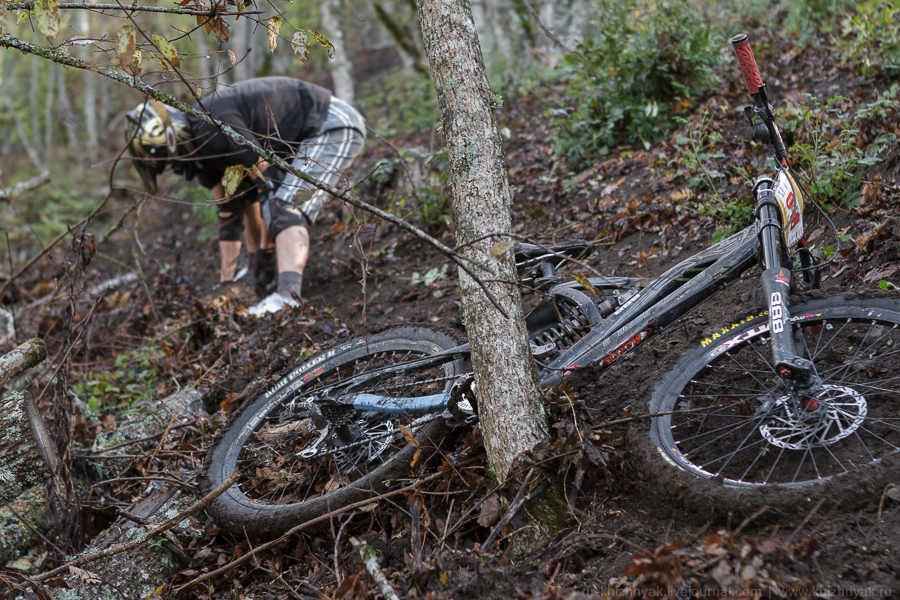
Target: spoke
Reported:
[(812, 457), (844, 324), (741, 367), (774, 464), (878, 437), (759, 455), (730, 455), (732, 390), (847, 376), (859, 349), (836, 459), (727, 428), (769, 368), (800, 465), (729, 397), (739, 448), (864, 445)]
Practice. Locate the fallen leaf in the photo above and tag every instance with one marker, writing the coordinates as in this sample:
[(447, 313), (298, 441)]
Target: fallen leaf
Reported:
[(490, 511)]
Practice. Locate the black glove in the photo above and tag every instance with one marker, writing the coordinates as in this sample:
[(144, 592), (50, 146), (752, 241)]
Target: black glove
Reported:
[(263, 269), (271, 179)]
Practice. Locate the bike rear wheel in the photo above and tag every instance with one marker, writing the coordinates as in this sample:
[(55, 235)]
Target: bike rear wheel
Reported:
[(301, 457), (729, 416)]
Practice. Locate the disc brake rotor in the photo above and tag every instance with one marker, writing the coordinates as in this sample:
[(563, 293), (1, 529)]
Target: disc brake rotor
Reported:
[(842, 411)]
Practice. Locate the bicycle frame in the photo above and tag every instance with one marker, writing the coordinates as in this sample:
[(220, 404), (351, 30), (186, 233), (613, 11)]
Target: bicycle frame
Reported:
[(674, 293), (649, 311)]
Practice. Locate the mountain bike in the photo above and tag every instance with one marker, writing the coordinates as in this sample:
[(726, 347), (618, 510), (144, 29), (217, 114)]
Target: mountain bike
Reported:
[(790, 395)]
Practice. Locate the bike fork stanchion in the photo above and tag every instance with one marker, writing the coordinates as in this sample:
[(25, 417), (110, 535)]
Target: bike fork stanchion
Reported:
[(776, 282)]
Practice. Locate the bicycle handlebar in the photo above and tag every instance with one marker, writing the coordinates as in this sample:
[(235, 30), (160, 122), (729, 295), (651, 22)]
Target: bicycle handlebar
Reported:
[(747, 62)]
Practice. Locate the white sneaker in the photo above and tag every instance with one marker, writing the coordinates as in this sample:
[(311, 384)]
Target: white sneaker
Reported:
[(270, 304)]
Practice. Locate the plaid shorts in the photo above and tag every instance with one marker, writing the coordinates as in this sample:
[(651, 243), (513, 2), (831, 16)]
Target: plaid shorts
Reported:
[(325, 157)]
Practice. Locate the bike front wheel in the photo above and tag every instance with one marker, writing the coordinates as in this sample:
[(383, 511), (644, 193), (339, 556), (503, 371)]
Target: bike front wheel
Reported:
[(725, 413), (301, 456)]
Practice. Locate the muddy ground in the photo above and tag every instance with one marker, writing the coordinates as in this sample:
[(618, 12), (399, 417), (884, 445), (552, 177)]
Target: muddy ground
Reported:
[(623, 533)]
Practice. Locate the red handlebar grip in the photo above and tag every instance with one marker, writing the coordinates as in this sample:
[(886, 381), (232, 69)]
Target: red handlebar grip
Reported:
[(748, 64)]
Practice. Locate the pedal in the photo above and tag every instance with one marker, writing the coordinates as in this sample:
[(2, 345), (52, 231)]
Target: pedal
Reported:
[(462, 405)]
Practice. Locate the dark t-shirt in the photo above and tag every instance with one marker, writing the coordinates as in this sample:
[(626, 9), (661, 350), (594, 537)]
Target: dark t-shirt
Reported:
[(275, 112)]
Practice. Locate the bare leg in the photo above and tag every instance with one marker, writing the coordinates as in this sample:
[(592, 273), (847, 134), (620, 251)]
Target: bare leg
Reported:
[(292, 249), (254, 228), (228, 254)]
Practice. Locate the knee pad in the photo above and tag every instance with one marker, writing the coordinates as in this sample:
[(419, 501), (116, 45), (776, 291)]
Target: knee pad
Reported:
[(231, 225), (280, 216)]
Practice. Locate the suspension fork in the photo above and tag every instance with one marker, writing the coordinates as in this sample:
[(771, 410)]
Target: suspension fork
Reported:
[(776, 283)]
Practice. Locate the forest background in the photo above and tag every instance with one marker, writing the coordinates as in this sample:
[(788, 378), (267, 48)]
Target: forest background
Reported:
[(619, 120)]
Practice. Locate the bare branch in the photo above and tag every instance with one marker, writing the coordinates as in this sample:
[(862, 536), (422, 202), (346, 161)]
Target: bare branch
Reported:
[(13, 192), (212, 11), (22, 357)]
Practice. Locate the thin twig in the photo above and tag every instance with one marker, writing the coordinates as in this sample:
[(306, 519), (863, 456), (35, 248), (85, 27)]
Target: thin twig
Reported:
[(370, 561), (300, 527), (809, 515), (135, 8), (337, 548), (514, 507), (172, 480), (125, 547), (749, 520)]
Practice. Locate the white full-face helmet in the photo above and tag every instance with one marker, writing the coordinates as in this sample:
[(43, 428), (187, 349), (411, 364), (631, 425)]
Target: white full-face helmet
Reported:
[(155, 133)]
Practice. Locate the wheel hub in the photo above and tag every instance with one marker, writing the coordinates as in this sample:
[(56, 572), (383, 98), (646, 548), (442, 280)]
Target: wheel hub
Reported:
[(834, 413)]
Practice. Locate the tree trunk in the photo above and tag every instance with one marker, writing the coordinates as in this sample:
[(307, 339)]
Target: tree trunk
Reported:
[(510, 411), (141, 571), (410, 56), (33, 103), (70, 121), (240, 36), (89, 80), (341, 68), (49, 125), (27, 457), (20, 519)]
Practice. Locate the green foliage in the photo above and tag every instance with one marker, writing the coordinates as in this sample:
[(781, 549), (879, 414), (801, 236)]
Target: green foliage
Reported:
[(134, 377), (870, 36), (696, 148), (647, 61), (826, 144), (431, 275), (403, 101), (516, 79), (415, 181), (41, 215), (812, 17)]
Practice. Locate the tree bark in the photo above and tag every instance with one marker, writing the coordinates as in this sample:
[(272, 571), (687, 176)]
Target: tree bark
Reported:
[(21, 358), (27, 458), (23, 461), (141, 571), (510, 412)]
